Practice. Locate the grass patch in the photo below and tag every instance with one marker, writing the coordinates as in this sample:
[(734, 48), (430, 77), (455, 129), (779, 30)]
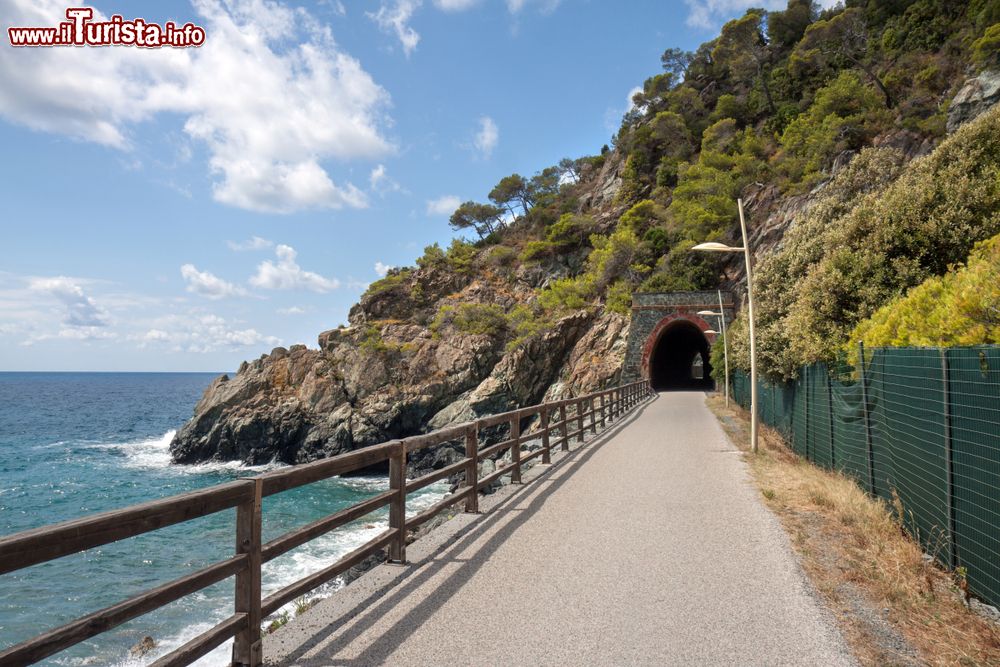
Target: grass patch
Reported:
[(860, 558)]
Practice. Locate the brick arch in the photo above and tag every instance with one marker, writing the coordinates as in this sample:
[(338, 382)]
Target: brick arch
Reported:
[(671, 320)]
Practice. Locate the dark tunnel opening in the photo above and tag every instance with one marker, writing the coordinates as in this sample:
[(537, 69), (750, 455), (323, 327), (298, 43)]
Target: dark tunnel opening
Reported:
[(680, 359)]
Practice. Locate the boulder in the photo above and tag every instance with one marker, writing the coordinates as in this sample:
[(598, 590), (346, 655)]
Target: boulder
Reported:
[(976, 96)]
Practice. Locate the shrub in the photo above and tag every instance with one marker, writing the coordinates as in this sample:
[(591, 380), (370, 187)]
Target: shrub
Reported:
[(471, 318), (986, 49), (960, 308), (567, 294), (619, 298)]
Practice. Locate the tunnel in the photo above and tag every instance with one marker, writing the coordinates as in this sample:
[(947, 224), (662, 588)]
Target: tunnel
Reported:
[(680, 359)]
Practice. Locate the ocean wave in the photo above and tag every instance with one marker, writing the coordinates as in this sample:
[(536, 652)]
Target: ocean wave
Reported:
[(154, 454)]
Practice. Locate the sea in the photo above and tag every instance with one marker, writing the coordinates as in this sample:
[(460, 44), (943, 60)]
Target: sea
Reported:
[(74, 444)]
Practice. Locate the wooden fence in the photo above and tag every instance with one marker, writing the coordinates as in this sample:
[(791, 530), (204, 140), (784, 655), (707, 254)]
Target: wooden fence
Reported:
[(43, 544)]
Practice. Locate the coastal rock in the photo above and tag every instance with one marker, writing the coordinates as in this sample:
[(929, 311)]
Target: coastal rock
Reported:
[(142, 647), (976, 96)]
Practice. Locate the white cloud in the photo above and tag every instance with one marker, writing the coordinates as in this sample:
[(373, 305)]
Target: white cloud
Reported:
[(455, 5), (292, 310), (80, 310), (252, 243), (382, 269), (200, 333), (710, 14), (287, 274), (487, 137), (208, 285), (380, 182), (396, 18), (444, 205), (267, 127), (544, 6)]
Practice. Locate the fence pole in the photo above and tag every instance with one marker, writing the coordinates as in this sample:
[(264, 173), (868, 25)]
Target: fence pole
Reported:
[(579, 420), (948, 460), (564, 446), (472, 467), (515, 448), (805, 381), (829, 404), (546, 445), (397, 506), (604, 417), (593, 416), (246, 647), (867, 417)]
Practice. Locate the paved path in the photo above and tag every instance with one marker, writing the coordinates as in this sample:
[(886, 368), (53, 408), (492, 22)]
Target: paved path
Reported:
[(648, 546)]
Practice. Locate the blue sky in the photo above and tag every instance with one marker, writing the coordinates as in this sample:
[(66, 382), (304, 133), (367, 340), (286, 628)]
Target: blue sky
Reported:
[(188, 209)]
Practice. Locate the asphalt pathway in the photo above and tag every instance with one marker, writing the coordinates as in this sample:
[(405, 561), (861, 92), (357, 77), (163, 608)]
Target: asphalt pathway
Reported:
[(646, 546)]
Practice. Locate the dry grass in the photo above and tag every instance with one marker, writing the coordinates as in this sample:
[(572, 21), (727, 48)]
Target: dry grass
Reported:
[(894, 606)]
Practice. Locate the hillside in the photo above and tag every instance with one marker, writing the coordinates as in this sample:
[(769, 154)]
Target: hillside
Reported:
[(535, 302)]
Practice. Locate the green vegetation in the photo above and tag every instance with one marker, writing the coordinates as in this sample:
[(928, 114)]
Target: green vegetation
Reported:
[(792, 100), (869, 239), (961, 307)]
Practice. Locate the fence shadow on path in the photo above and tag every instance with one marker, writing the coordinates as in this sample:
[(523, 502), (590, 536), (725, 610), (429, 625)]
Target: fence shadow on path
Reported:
[(412, 577)]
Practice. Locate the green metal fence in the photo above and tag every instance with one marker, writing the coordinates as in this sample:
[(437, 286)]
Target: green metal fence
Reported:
[(920, 423)]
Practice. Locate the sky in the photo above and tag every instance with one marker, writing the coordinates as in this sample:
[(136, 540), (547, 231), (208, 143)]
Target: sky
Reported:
[(186, 209)]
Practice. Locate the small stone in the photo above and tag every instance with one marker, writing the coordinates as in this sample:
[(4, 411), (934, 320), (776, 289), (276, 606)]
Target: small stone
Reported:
[(143, 646)]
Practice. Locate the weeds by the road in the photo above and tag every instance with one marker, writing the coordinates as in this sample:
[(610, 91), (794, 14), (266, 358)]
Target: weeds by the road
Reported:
[(895, 607)]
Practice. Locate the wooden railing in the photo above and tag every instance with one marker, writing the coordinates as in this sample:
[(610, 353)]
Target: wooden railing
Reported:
[(43, 544)]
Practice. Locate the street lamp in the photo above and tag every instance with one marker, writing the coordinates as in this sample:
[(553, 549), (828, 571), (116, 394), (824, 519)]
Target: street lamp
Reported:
[(713, 246), (725, 344)]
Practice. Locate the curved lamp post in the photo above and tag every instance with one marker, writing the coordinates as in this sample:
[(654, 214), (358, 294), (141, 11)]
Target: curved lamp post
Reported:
[(713, 246), (725, 344)]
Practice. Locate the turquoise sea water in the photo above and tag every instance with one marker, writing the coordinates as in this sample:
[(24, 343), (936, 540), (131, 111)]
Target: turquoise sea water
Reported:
[(73, 444)]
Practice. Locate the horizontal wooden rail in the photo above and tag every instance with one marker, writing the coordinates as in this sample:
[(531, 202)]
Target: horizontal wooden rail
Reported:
[(552, 422)]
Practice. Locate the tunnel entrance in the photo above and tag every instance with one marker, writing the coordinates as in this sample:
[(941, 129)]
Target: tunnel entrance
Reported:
[(680, 359)]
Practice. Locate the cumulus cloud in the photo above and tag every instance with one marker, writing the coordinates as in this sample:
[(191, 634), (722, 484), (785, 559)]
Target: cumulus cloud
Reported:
[(382, 269), (267, 128), (292, 310), (487, 137), (395, 18), (208, 285), (81, 311), (286, 274), (710, 14), (200, 333), (252, 243), (444, 205)]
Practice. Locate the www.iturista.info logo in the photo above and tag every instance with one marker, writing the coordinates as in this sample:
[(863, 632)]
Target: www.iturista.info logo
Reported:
[(81, 30)]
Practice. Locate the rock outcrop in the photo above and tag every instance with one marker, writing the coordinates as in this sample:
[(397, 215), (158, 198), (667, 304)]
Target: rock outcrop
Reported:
[(976, 96)]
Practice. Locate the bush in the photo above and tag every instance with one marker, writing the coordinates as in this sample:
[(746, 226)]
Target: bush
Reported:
[(619, 298), (471, 318), (960, 308), (567, 294), (986, 49)]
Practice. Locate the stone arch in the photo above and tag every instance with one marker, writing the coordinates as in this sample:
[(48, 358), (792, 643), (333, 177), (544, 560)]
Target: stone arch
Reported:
[(672, 352)]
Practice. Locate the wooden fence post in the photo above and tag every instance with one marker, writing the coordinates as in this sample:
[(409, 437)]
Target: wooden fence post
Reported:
[(604, 416), (472, 468), (546, 444), (867, 417), (565, 427), (515, 448), (949, 461), (247, 647), (397, 506), (579, 420), (593, 415)]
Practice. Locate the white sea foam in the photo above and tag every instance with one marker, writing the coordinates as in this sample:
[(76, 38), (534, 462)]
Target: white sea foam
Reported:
[(154, 453)]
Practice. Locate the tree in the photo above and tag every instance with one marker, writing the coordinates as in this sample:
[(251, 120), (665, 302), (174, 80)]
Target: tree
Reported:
[(570, 168), (510, 189), (483, 218), (846, 37), (675, 62), (785, 29), (744, 48)]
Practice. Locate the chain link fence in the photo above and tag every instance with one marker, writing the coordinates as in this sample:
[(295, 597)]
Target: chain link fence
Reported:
[(919, 423)]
